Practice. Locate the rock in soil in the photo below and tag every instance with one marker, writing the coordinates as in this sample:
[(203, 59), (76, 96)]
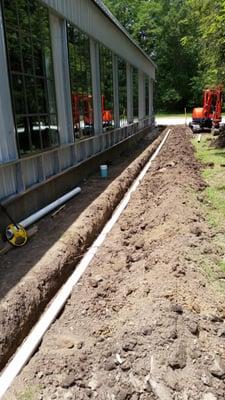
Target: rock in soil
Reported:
[(218, 368), (178, 357)]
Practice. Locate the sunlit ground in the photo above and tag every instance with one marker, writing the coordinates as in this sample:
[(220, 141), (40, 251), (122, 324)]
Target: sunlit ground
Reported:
[(173, 119)]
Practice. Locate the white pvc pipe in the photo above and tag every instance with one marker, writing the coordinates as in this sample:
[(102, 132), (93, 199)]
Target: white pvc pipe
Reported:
[(41, 213), (32, 341)]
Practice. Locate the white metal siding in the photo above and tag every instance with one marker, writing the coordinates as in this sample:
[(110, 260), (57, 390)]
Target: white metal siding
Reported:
[(8, 184), (30, 172)]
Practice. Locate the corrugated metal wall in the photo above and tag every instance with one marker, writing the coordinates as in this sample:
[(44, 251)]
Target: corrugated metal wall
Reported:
[(41, 167), (21, 174)]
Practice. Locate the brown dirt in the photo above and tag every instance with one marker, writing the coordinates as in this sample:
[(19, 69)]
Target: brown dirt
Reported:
[(219, 141), (49, 261), (144, 323)]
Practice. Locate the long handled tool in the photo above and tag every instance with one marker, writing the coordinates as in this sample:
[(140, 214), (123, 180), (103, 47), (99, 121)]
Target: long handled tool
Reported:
[(15, 233)]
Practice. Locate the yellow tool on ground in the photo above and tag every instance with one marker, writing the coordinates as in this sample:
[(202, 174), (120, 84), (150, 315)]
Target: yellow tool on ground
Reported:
[(15, 234)]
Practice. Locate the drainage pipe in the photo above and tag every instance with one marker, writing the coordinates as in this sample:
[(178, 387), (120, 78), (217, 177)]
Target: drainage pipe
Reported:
[(33, 340), (41, 213)]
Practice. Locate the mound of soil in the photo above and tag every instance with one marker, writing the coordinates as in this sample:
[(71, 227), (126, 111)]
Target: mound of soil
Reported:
[(144, 323)]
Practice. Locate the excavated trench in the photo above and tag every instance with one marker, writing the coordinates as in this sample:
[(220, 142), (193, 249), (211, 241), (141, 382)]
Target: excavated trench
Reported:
[(144, 322), (24, 303)]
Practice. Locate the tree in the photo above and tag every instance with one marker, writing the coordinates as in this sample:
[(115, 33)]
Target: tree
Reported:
[(159, 27)]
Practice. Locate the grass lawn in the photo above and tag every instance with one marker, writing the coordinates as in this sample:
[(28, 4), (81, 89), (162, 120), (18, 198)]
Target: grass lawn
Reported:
[(214, 194), (215, 177)]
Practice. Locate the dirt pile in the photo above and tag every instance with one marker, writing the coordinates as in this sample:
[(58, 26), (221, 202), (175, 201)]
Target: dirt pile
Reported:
[(144, 323)]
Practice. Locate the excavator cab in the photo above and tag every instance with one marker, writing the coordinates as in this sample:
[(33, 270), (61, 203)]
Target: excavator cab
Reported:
[(210, 115)]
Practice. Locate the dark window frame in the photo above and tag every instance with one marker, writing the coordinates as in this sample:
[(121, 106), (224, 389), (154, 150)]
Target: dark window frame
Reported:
[(122, 82), (135, 80), (147, 98), (36, 77), (106, 74), (88, 129)]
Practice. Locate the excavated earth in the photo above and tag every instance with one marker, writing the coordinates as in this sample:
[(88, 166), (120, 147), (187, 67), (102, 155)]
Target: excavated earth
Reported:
[(32, 275), (145, 321)]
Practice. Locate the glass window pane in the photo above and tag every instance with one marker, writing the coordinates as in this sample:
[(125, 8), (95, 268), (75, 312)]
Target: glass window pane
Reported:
[(26, 46), (106, 87), (10, 12), (35, 133), (18, 92), (49, 131), (81, 85), (31, 72), (41, 96), (23, 135), (30, 93), (135, 94), (24, 15), (38, 59), (122, 91), (146, 95), (14, 50)]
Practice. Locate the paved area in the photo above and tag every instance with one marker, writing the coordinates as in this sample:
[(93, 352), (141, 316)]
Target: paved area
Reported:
[(176, 120), (173, 120)]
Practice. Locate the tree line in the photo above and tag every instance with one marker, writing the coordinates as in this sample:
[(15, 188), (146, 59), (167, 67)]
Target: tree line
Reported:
[(185, 38)]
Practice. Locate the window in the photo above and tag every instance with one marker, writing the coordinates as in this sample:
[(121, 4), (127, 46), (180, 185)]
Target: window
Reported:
[(106, 87), (81, 84), (122, 91), (146, 96), (31, 74), (135, 94)]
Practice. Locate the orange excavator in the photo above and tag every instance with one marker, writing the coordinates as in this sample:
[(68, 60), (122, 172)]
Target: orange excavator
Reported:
[(210, 115), (82, 105)]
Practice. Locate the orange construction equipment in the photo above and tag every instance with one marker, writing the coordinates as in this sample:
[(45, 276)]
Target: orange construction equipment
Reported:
[(210, 115), (106, 114), (83, 105)]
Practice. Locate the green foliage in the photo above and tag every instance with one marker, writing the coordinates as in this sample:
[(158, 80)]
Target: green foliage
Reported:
[(213, 197), (214, 193), (186, 39)]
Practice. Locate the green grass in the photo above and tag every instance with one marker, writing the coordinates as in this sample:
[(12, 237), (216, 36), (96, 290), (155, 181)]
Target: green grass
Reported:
[(215, 177), (214, 194), (208, 271), (222, 265), (31, 393)]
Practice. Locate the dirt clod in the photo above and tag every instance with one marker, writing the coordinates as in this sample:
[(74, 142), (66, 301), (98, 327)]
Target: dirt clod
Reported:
[(110, 365), (68, 381), (178, 357), (218, 367), (177, 308), (130, 345)]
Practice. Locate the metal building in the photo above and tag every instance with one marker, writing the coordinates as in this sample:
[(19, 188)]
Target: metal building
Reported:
[(73, 84)]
